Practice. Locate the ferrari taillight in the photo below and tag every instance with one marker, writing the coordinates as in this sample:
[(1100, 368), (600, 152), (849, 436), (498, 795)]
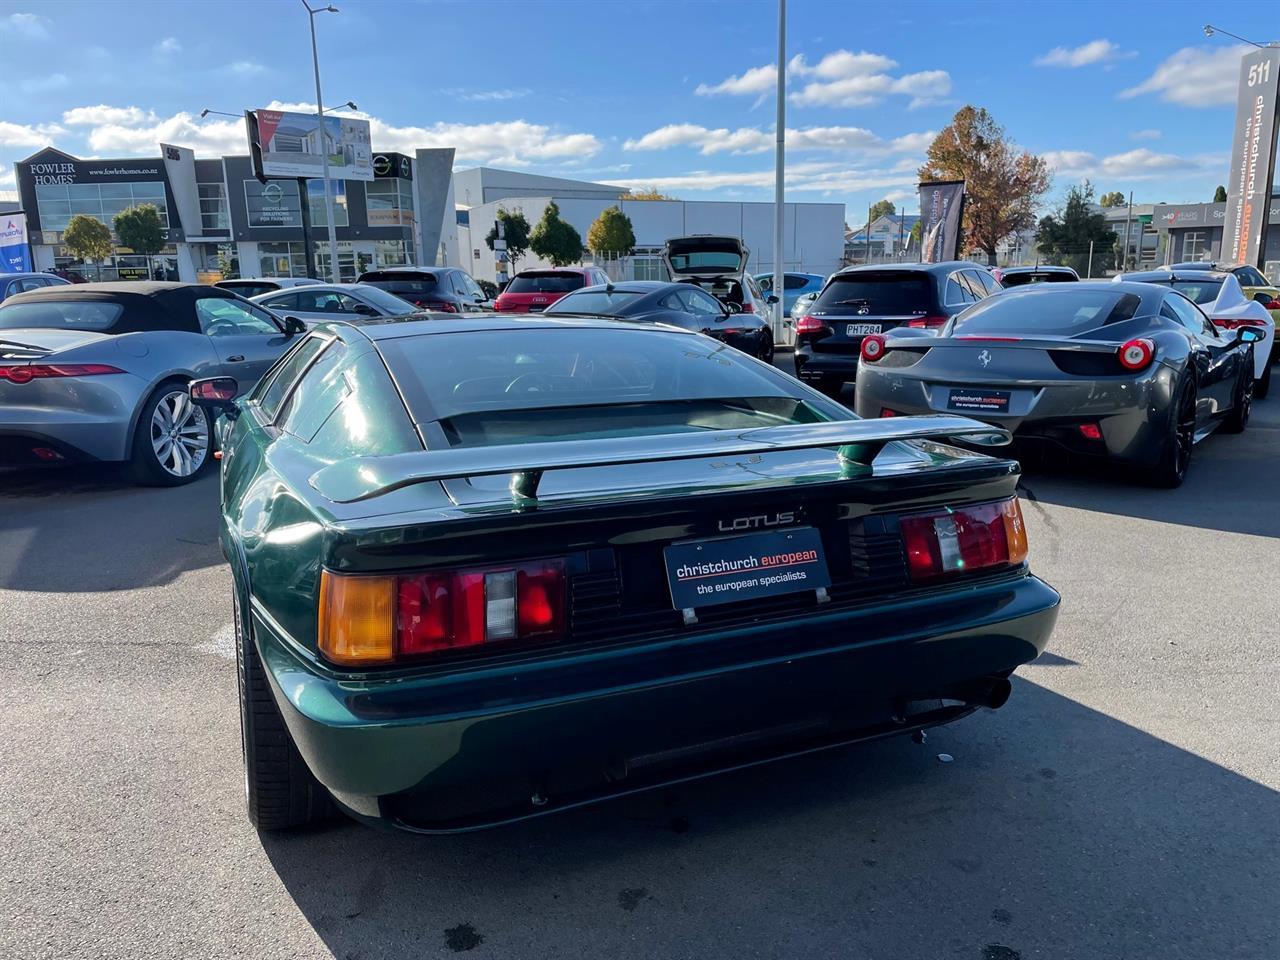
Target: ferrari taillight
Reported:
[(1136, 354), (372, 620), (872, 347), (959, 540)]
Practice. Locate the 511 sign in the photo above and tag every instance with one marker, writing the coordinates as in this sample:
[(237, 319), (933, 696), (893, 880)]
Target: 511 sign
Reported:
[(1253, 160)]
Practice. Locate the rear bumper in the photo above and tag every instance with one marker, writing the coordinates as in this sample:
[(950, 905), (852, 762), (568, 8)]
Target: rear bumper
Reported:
[(74, 437), (814, 367), (1130, 413), (476, 747)]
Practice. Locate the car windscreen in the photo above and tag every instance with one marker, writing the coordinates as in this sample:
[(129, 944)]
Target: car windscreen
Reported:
[(545, 281), (386, 301), (505, 386), (398, 283), (888, 294), (1060, 312), (1022, 279), (94, 315), (607, 302)]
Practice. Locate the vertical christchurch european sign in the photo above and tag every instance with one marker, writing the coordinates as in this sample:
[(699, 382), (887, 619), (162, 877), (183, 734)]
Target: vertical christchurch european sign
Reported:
[(941, 205), (15, 250), (1253, 157)]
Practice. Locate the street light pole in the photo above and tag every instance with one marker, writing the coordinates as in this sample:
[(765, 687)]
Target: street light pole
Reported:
[(324, 146), (779, 168)]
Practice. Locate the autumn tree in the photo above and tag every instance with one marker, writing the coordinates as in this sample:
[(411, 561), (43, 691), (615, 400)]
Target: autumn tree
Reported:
[(611, 233), (1002, 184), (880, 208), (1067, 236), (88, 238), (1113, 199), (648, 193), (515, 230), (556, 239), (1220, 195)]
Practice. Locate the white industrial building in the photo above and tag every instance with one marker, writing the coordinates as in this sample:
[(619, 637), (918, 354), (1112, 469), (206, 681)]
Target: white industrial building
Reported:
[(813, 232)]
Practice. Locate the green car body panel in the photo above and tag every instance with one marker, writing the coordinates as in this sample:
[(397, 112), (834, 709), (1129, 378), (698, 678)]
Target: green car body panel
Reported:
[(632, 697)]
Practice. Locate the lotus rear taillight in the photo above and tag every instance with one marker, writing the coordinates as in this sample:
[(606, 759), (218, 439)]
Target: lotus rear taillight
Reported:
[(1136, 354), (959, 540)]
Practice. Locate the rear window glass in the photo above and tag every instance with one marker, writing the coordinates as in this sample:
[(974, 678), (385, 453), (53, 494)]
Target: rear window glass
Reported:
[(1064, 312), (401, 283), (60, 315), (1199, 291), (608, 302), (546, 282), (502, 386), (1022, 279), (885, 294), (249, 289), (705, 260), (387, 301)]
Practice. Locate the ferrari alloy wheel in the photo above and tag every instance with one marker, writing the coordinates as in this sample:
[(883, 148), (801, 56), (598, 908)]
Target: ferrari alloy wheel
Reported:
[(173, 441), (1170, 468)]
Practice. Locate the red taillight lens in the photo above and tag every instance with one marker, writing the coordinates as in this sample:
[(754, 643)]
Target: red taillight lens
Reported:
[(928, 323), (1272, 305), (872, 347), (809, 324), (1230, 323), (886, 412), (451, 610), (964, 539), (45, 371), (441, 306), (748, 307), (1136, 354), (1090, 431)]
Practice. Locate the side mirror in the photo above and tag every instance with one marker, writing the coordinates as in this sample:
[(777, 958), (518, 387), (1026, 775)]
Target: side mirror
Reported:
[(216, 394), (1249, 335), (771, 299), (293, 326)]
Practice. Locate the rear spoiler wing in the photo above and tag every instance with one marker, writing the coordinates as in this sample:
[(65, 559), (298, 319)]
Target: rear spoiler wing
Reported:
[(859, 442)]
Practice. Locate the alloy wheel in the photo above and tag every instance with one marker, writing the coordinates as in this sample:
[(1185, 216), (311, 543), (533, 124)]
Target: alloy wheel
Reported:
[(179, 434), (1186, 431)]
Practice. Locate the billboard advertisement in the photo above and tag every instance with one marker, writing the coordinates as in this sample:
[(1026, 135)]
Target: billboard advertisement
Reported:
[(295, 144), (15, 250), (941, 207), (1253, 157)]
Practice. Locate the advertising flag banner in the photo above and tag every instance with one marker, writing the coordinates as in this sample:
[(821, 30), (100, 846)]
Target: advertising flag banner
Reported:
[(15, 250), (294, 145), (941, 206), (1253, 157)]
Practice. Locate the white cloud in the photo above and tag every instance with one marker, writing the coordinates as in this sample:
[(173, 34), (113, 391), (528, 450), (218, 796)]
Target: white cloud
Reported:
[(825, 178), (1095, 51), (1138, 164), (755, 140), (7, 177), (54, 81), (167, 46), (207, 138), (757, 80), (482, 96), (103, 114), (29, 25), (840, 79), (26, 135), (1195, 77), (1149, 134), (245, 68), (841, 64)]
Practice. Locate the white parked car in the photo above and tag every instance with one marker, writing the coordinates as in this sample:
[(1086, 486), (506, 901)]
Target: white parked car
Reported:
[(335, 301)]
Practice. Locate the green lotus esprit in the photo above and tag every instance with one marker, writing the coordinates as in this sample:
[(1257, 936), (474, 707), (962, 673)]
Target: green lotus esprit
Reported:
[(490, 568)]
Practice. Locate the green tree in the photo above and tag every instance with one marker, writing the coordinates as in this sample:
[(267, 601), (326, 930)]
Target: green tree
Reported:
[(1002, 185), (1064, 236), (648, 193), (1113, 199), (515, 229), (880, 208), (611, 233), (1220, 195), (555, 239), (88, 238), (140, 230)]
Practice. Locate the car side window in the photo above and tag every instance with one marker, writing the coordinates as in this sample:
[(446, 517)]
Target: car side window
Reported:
[(277, 387), (672, 302), (1189, 315), (1250, 277), (224, 317), (792, 282), (956, 294), (969, 280), (286, 301), (325, 301), (320, 389), (988, 282), (701, 303)]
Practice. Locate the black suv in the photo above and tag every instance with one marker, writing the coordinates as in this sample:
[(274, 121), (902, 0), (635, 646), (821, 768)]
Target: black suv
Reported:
[(446, 289), (859, 301)]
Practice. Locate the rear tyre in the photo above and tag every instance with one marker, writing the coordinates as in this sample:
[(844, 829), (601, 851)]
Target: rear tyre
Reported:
[(766, 349), (173, 442), (280, 791), (1242, 404), (1170, 468)]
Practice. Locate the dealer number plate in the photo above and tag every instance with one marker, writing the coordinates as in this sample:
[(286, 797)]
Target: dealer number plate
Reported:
[(704, 573)]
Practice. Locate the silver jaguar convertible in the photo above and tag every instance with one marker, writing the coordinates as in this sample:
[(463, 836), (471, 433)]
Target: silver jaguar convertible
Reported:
[(1128, 371)]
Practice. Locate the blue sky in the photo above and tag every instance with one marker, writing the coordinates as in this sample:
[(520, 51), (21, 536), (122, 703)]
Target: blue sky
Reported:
[(669, 94)]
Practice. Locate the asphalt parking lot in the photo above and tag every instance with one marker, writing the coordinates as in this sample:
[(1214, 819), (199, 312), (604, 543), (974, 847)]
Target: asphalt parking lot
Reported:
[(1123, 805)]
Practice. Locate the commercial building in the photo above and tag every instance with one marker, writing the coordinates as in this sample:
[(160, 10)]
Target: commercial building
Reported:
[(888, 238), (218, 219), (1193, 231), (813, 232)]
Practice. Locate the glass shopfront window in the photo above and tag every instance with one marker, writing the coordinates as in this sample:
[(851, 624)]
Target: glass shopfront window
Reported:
[(390, 202), (315, 194), (215, 261), (1195, 245), (120, 266), (213, 206), (347, 269), (59, 202), (392, 253), (282, 259)]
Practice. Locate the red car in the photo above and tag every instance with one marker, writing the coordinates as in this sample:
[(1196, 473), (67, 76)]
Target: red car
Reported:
[(532, 291)]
